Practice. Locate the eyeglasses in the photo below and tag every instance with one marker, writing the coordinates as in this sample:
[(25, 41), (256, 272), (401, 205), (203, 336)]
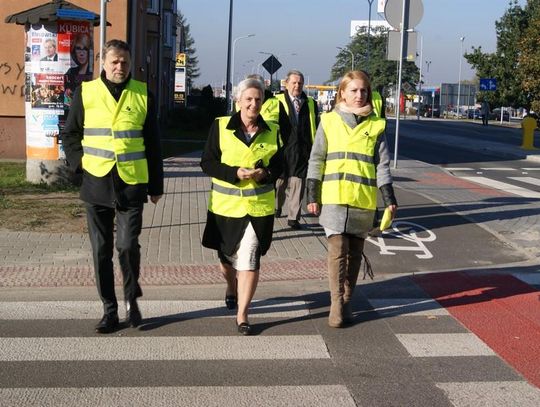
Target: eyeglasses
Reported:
[(81, 48)]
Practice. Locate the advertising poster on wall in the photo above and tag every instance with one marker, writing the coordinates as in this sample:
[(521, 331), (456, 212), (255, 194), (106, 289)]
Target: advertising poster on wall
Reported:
[(76, 42), (180, 79), (47, 91), (58, 58)]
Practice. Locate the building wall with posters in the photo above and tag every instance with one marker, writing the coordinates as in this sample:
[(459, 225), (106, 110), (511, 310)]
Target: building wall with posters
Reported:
[(140, 23)]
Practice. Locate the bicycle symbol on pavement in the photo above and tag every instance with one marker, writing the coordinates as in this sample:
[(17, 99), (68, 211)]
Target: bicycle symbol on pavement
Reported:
[(411, 232)]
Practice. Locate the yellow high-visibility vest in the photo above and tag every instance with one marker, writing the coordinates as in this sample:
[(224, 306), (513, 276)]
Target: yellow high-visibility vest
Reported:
[(246, 197), (376, 103), (311, 108), (113, 131), (350, 176)]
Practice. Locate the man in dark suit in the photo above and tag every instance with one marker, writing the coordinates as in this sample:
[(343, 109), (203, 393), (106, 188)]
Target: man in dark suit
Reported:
[(50, 48)]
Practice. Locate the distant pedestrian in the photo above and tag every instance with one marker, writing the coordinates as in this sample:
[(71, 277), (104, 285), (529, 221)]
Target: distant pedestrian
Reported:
[(349, 161), (303, 117), (243, 156), (112, 137), (485, 111)]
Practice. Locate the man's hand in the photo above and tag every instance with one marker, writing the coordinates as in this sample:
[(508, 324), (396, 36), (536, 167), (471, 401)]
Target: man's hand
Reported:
[(244, 173), (155, 198), (314, 208)]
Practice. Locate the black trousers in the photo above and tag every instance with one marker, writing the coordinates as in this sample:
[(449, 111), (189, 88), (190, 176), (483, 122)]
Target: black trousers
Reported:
[(101, 230)]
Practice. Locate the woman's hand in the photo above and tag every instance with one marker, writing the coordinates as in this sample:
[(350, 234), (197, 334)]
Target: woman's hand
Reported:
[(314, 208), (258, 174), (244, 173)]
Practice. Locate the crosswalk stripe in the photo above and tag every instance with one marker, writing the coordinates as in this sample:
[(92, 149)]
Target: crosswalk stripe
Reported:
[(440, 345), (164, 348), (491, 394), (458, 169), (503, 186), (208, 396), (193, 309), (528, 180)]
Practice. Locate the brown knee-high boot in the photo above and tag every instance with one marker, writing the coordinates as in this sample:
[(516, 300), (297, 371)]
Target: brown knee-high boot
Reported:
[(354, 261), (337, 264)]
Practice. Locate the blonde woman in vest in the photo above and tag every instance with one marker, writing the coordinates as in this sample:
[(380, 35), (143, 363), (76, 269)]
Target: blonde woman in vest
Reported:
[(348, 163), (243, 157)]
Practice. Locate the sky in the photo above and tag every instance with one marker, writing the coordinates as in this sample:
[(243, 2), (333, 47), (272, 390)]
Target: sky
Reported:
[(304, 34)]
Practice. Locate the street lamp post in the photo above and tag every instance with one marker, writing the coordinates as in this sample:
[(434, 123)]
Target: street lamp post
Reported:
[(420, 77), (368, 34), (232, 61), (428, 63), (459, 77), (352, 56), (228, 85)]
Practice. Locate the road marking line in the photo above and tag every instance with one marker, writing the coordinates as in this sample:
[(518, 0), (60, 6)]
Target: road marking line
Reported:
[(498, 169), (441, 345), (458, 169), (528, 180), (491, 394), (163, 348), (273, 396), (503, 186), (407, 307)]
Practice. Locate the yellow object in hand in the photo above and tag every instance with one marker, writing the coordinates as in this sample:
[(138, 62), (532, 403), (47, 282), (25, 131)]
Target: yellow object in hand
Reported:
[(386, 220)]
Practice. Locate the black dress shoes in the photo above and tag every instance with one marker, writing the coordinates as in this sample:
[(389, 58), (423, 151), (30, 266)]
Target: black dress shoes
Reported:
[(244, 328), (133, 314), (278, 213), (294, 224), (108, 324)]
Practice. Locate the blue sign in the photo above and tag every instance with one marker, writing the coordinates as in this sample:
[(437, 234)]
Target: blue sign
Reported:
[(75, 14), (488, 84)]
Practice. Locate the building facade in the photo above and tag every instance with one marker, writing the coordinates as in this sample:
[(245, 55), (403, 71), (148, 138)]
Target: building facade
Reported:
[(149, 26)]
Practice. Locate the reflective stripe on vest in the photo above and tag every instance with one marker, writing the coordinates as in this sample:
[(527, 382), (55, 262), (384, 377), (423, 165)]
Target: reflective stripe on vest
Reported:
[(311, 109), (350, 176), (246, 197), (113, 131)]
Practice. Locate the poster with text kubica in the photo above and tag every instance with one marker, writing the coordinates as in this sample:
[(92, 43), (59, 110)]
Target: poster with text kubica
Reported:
[(75, 39)]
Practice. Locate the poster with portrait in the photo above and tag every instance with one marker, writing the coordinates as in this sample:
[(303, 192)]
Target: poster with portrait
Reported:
[(76, 45)]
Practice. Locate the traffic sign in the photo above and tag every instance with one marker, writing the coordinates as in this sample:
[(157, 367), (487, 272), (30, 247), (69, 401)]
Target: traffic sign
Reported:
[(271, 64), (488, 84), (394, 45), (393, 12)]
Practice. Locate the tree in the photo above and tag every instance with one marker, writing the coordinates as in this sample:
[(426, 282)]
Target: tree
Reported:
[(187, 46), (503, 63), (529, 57), (383, 73)]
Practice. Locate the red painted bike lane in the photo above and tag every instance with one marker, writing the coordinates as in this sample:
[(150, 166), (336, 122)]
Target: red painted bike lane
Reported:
[(501, 310)]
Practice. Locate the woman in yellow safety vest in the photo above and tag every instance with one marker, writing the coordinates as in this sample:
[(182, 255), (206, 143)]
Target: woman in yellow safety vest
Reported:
[(243, 156), (349, 161)]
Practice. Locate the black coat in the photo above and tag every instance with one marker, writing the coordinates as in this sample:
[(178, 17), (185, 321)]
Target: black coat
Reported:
[(298, 138), (221, 232), (111, 190)]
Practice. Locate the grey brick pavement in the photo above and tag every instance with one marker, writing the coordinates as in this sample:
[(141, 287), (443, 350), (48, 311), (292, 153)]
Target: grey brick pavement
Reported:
[(172, 230)]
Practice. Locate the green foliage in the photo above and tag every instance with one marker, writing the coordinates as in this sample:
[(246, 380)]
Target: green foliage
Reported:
[(13, 181), (383, 73), (504, 63), (529, 57), (187, 45)]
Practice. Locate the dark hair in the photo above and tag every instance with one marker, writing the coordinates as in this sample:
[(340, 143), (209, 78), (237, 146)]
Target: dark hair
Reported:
[(116, 44)]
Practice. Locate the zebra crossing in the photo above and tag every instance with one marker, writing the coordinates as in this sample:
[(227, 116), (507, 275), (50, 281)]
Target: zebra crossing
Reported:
[(524, 185), (404, 349)]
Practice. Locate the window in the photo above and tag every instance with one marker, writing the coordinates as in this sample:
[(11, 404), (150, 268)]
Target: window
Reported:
[(152, 6), (168, 29)]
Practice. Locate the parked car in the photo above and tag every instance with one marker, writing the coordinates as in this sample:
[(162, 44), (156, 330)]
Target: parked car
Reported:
[(473, 114), (496, 115), (428, 112)]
